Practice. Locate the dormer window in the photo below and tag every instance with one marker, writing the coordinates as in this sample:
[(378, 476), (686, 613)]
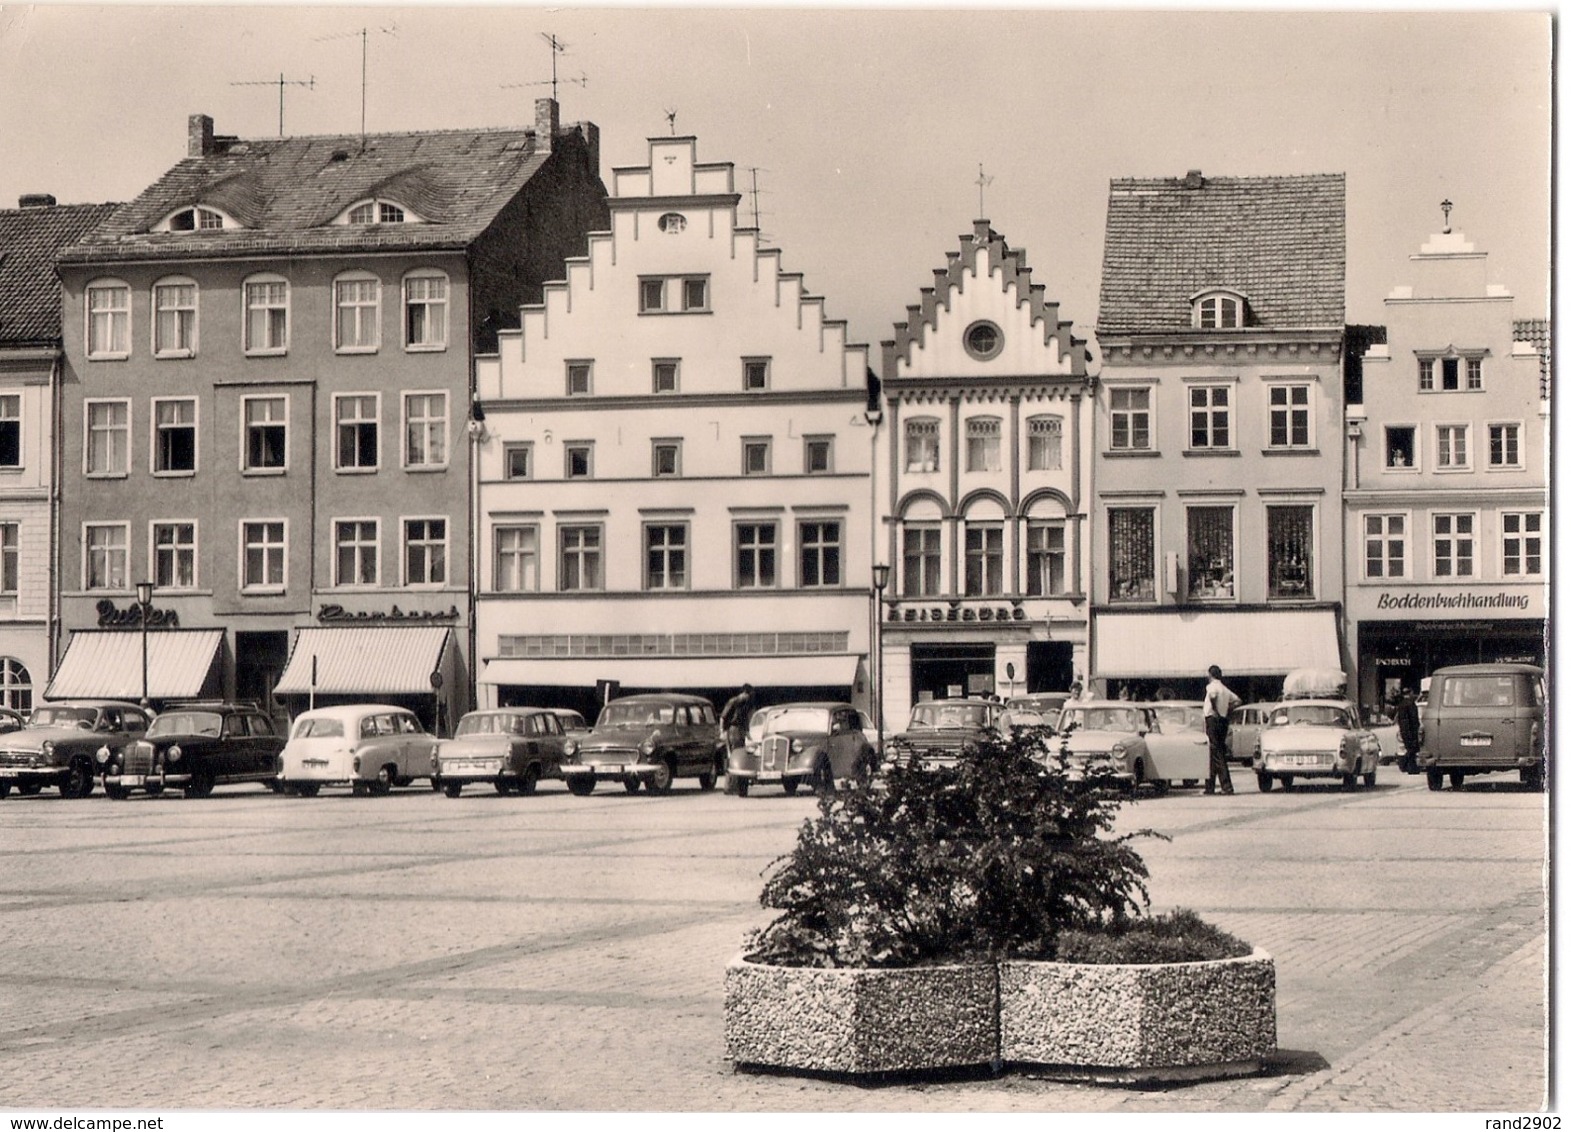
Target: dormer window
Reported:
[(196, 219), (375, 212), (1218, 310)]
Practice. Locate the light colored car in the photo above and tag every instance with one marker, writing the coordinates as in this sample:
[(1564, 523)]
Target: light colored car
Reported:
[(1243, 728), (509, 749), (1039, 709), (1111, 734), (1315, 738), (816, 743), (1178, 745), (369, 747)]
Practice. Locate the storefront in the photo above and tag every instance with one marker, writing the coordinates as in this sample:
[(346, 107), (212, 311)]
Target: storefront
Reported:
[(414, 667)]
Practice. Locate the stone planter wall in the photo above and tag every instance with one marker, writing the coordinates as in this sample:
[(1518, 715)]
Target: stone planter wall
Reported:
[(856, 1020)]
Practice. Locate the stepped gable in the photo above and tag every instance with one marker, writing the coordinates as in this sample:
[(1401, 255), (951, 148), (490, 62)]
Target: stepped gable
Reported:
[(30, 239), (1004, 261), (1279, 241), (1536, 331)]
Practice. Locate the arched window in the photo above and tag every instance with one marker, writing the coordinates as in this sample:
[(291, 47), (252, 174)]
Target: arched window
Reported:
[(984, 444), (922, 444), (1045, 443), (425, 310), (1218, 310), (16, 685), (196, 219), (375, 211)]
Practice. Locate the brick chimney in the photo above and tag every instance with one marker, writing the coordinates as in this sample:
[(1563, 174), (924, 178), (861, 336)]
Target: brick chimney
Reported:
[(1193, 180), (547, 122), (199, 136), (36, 200)]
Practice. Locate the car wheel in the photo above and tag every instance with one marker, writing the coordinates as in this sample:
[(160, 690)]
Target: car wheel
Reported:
[(201, 784), (707, 780), (501, 785), (1264, 781), (28, 789), (1369, 779), (790, 784), (1160, 786), (78, 780), (581, 784), (1436, 780), (1191, 782), (631, 785), (383, 782), (360, 789), (116, 791), (308, 789), (5, 789), (452, 789), (1287, 782), (529, 779), (742, 787), (823, 777), (1533, 777), (660, 780), (1456, 779)]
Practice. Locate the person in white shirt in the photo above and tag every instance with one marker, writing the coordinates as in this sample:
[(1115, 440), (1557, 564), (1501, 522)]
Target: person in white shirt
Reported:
[(1219, 703)]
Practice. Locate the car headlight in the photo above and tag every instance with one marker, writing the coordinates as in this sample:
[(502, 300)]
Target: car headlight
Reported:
[(648, 745), (570, 747), (47, 748), (175, 752), (797, 746), (102, 755), (357, 764)]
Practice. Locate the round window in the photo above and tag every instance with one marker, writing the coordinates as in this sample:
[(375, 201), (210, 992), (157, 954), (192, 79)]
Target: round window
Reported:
[(983, 340), (672, 222)]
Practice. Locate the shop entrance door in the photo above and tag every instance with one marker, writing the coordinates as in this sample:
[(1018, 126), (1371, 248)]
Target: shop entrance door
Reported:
[(941, 671)]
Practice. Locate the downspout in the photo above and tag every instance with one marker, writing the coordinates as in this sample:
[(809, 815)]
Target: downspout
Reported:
[(475, 429), (56, 471)]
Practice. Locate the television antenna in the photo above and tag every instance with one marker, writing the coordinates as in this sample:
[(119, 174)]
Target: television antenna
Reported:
[(365, 37), (752, 195), (280, 82), (557, 48)]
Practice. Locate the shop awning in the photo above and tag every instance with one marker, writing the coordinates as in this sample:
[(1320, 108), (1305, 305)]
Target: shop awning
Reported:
[(107, 664), (674, 672), (359, 660), (1240, 642)]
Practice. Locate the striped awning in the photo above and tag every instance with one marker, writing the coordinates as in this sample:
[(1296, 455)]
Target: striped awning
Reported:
[(1256, 642), (107, 664), (364, 660), (819, 670)]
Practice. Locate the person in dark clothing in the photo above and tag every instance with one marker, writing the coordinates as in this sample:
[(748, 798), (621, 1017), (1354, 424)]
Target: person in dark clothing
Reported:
[(1220, 700), (734, 717), (1407, 728)]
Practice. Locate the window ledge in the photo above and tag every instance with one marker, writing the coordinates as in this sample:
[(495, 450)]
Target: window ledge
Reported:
[(1212, 452), (432, 349), (1290, 452), (427, 469), (178, 474), (109, 357), (357, 471), (263, 471), (355, 349), (1131, 453), (675, 314), (173, 355)]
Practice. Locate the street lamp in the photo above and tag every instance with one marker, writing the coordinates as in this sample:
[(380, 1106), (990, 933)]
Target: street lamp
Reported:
[(144, 601), (880, 581)]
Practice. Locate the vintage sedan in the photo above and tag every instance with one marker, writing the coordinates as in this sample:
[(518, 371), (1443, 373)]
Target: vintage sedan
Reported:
[(510, 749), (816, 743), (1110, 735), (1178, 745), (650, 740), (11, 720), (195, 748), (1315, 738), (1243, 728), (370, 747), (60, 744), (574, 726), (942, 732)]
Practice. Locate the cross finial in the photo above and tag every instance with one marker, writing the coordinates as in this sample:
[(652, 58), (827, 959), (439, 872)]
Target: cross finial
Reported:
[(1445, 207), (982, 181), (670, 117)]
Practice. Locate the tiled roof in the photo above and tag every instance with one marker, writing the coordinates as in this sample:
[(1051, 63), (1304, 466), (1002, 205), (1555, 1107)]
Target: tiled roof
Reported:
[(1279, 241), (29, 292), (287, 191), (1536, 331)]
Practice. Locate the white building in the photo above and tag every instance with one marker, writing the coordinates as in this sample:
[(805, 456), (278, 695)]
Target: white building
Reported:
[(674, 466)]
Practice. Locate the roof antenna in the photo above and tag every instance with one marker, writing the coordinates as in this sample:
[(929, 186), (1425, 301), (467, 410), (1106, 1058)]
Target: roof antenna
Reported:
[(365, 34), (557, 48), (1445, 207), (280, 83), (670, 117), (982, 181), (753, 196)]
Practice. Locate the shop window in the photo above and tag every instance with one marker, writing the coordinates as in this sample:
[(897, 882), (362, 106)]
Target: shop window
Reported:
[(16, 685), (1290, 559), (1210, 559), (1131, 542)]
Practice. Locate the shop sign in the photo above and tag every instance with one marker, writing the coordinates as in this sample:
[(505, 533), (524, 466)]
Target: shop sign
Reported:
[(334, 614), (110, 617), (1462, 599), (957, 611)]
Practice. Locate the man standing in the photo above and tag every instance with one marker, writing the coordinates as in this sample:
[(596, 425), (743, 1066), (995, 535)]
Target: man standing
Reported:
[(1219, 703), (734, 717), (1407, 729)]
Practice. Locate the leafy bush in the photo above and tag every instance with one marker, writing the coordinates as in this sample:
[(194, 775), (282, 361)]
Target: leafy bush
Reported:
[(989, 859), (1179, 936)]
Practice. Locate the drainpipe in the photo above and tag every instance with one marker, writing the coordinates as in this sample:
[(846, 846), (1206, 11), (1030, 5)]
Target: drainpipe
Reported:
[(56, 466)]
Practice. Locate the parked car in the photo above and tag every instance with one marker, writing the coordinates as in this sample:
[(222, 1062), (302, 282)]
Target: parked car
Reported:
[(511, 749), (815, 743), (574, 725), (942, 732), (11, 720), (60, 745), (1484, 718), (1039, 709), (1243, 728), (1386, 734), (1179, 748), (370, 747), (1315, 738), (195, 747), (650, 740), (1110, 735)]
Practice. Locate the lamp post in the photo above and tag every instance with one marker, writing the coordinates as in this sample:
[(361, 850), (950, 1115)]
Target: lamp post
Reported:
[(880, 581), (144, 601)]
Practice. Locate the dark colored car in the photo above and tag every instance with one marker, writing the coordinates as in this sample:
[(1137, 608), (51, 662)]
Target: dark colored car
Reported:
[(60, 745), (1483, 718), (808, 742), (196, 748), (510, 749), (942, 731), (650, 739)]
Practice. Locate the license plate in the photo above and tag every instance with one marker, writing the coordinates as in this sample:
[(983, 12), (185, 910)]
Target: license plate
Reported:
[(1477, 740), (132, 779), (313, 762), (1303, 760), (608, 768), (467, 768)]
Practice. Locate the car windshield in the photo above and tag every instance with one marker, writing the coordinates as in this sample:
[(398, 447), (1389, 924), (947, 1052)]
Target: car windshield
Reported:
[(571, 721), (636, 715), (63, 717), (320, 728), (1180, 717), (949, 715), (798, 719), (500, 723), (1317, 715), (1478, 691), (208, 723), (1101, 719)]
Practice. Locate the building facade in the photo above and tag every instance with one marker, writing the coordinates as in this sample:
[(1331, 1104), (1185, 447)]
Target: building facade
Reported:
[(1217, 439), (988, 408), (1448, 472), (675, 469), (268, 361)]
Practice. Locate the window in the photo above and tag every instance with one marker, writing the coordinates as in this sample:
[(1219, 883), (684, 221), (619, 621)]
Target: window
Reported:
[(107, 451), (425, 552), (356, 552), (818, 455), (1131, 545), (1045, 557), (105, 547), (819, 544), (174, 319), (1290, 545), (356, 429), (580, 378), (10, 558), (266, 434), (174, 437), (756, 551), (266, 316), (10, 430), (517, 567), (695, 294), (357, 303), (108, 320), (1289, 412), (1131, 413), (1475, 373), (984, 559), (1210, 560), (984, 444), (920, 561), (1426, 374), (665, 556), (425, 312), (671, 294), (195, 220), (671, 223), (581, 549), (375, 212), (1045, 444), (174, 556), (518, 461), (667, 458), (1522, 544), (16, 686), (1451, 448), (579, 457), (425, 430), (1505, 446), (1210, 417), (665, 374), (1453, 543), (983, 340), (1385, 546), (1219, 312), (922, 444), (262, 554), (755, 456), (755, 374), (1401, 446), (1453, 372)]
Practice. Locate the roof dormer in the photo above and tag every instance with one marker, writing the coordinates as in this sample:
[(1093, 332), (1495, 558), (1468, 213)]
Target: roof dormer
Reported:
[(1218, 308), (377, 210), (196, 218)]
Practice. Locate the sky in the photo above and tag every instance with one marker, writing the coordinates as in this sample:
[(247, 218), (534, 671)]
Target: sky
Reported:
[(866, 131)]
